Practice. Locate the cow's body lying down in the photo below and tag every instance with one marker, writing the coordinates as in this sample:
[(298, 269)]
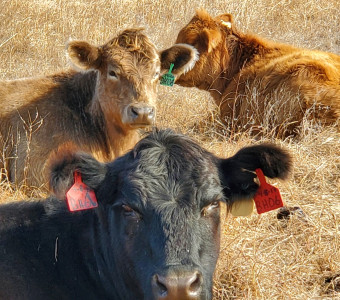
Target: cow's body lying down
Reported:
[(154, 234), (256, 82)]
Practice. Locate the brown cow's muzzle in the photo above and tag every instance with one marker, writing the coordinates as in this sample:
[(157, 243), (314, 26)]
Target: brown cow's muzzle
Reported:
[(141, 115), (174, 286)]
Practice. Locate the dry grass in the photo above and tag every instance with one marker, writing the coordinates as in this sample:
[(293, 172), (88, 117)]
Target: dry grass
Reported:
[(261, 257)]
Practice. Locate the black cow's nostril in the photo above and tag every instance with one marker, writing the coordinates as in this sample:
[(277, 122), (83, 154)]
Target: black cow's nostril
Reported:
[(195, 283), (160, 287), (178, 285)]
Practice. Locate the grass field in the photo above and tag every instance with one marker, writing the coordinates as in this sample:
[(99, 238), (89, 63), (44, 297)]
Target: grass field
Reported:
[(261, 257)]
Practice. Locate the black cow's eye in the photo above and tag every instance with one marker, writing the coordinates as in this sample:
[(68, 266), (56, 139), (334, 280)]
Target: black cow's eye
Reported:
[(209, 209), (129, 212), (214, 204)]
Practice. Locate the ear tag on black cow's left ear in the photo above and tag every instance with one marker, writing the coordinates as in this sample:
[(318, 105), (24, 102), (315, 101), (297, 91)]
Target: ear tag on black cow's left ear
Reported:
[(267, 196), (168, 78), (80, 196)]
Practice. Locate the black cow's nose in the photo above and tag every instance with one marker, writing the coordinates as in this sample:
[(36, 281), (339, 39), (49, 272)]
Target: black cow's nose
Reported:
[(186, 286), (142, 114)]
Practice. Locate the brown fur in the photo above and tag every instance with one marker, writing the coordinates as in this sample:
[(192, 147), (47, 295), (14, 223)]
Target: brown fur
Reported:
[(232, 65), (88, 107)]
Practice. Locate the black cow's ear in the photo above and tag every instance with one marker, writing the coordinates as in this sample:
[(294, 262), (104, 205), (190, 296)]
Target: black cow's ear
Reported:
[(237, 173), (65, 161), (183, 56), (83, 55)]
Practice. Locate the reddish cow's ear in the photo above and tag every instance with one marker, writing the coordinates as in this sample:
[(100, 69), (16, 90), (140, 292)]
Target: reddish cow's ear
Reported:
[(83, 55), (183, 56), (226, 20), (208, 40), (238, 172), (64, 162)]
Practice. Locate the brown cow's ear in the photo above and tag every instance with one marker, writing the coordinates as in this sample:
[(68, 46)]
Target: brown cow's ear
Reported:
[(64, 162), (83, 55), (183, 56)]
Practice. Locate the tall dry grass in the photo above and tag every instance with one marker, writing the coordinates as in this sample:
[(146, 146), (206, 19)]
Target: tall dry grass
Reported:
[(261, 257)]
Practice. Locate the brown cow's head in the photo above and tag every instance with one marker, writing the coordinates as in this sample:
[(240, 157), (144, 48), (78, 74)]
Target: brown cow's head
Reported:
[(128, 69), (207, 35)]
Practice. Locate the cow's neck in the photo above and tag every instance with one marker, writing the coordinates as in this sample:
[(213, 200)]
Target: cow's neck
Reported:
[(120, 139), (237, 52), (117, 138), (106, 275)]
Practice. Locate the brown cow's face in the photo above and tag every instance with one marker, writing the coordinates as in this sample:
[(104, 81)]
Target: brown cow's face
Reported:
[(208, 36), (128, 71)]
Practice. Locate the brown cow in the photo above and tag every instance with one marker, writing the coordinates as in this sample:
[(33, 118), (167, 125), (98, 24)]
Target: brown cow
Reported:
[(99, 106), (247, 76)]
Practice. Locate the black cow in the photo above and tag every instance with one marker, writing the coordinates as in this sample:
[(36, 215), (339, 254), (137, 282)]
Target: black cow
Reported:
[(154, 234)]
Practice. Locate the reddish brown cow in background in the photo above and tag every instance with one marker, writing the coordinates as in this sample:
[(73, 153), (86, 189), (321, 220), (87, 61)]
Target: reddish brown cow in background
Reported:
[(99, 107), (233, 65)]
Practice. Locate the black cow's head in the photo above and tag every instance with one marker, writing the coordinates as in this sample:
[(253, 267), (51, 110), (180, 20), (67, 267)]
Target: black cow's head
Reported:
[(158, 219)]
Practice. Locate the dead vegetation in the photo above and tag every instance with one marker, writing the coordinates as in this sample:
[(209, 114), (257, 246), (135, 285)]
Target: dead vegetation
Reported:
[(262, 257)]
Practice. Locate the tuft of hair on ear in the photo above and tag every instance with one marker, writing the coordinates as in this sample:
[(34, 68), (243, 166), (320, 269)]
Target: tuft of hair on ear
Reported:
[(62, 164), (274, 161), (202, 14), (83, 55)]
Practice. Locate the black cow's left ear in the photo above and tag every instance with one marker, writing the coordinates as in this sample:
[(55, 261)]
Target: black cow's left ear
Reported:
[(183, 56), (64, 162), (238, 172)]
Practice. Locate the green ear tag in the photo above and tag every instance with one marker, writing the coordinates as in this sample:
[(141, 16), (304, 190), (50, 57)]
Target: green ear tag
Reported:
[(168, 78)]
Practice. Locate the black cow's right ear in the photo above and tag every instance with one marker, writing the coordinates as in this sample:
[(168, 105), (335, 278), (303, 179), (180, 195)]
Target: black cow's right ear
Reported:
[(183, 56), (64, 162), (237, 173)]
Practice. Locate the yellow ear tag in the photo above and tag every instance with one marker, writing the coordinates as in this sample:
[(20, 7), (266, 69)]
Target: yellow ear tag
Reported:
[(226, 24), (242, 208)]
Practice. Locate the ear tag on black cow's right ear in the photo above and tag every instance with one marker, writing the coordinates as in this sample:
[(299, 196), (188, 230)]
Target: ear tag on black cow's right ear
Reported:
[(267, 196), (168, 78), (80, 196)]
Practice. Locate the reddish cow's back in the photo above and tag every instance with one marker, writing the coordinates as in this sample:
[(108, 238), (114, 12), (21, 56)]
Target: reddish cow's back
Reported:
[(253, 80)]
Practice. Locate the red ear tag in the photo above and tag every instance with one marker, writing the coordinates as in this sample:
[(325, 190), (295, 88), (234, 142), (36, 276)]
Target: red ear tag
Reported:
[(80, 196), (267, 196)]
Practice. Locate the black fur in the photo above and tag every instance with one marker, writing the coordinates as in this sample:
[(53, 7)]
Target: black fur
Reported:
[(158, 214)]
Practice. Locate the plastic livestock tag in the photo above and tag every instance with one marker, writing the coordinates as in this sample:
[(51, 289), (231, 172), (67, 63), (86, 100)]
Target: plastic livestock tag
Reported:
[(242, 208), (80, 196), (267, 196), (168, 78)]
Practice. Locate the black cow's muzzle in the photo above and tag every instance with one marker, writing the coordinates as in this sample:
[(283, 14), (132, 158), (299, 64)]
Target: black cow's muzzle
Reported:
[(175, 285)]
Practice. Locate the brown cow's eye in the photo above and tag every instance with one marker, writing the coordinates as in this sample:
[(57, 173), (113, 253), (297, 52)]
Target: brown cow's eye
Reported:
[(113, 74)]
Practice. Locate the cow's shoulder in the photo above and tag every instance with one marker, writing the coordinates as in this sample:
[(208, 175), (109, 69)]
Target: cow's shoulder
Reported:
[(25, 214)]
